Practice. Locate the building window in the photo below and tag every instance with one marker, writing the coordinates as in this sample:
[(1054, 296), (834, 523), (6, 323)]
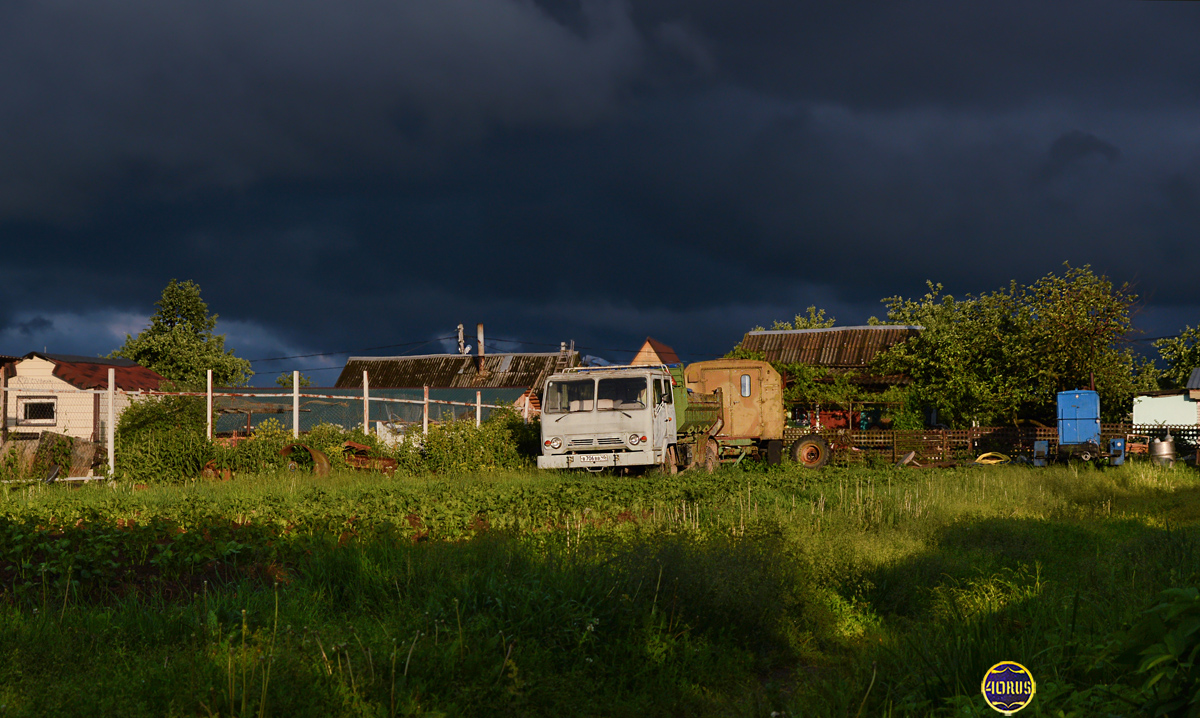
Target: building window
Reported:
[(745, 385), (36, 410)]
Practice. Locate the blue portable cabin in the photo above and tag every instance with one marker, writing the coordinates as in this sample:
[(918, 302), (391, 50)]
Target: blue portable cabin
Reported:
[(1078, 418)]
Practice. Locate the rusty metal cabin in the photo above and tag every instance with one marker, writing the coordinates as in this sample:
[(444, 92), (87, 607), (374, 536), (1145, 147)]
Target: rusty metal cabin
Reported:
[(456, 371), (848, 350)]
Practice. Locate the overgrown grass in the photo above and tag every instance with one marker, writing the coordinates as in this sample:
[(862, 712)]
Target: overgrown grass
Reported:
[(847, 592)]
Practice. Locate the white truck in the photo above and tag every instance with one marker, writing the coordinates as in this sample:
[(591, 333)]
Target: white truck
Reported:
[(709, 413), (608, 417)]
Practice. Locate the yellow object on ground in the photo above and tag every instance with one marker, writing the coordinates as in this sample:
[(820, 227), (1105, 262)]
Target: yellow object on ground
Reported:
[(992, 458)]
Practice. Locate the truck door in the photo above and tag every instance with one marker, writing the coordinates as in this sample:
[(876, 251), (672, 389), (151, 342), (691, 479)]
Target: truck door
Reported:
[(664, 415)]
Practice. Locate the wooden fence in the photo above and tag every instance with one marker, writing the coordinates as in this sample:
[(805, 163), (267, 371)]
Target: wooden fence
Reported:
[(945, 445)]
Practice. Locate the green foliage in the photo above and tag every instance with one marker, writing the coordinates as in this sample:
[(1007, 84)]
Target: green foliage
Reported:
[(162, 439), (285, 380), (838, 593), (53, 450), (460, 446), (1182, 355), (1163, 647), (813, 318), (1003, 356), (180, 345)]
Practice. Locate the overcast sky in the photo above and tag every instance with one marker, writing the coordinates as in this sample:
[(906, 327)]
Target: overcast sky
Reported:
[(362, 173)]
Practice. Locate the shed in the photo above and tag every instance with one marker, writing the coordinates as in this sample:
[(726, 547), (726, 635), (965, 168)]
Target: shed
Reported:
[(59, 410), (654, 352), (840, 349), (456, 371)]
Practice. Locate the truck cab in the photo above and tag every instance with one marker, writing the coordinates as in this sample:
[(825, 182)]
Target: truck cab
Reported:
[(608, 417)]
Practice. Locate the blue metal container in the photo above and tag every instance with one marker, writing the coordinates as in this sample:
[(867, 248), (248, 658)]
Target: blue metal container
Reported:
[(1116, 451), (1078, 417)]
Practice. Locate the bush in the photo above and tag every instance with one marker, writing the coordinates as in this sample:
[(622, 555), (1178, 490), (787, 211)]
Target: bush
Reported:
[(162, 439), (462, 446)]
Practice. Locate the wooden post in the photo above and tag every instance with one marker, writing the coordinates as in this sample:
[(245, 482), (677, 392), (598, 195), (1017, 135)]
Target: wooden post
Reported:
[(945, 445), (4, 402), (478, 409), (894, 459), (425, 413), (366, 404), (111, 429), (296, 404), (525, 410), (208, 402)]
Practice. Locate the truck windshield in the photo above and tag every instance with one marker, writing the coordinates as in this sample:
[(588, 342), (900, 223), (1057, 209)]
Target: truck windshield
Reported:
[(622, 394), (565, 396)]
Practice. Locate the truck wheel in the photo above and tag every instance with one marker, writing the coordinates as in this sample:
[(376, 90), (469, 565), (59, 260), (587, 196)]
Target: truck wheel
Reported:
[(712, 459), (811, 452)]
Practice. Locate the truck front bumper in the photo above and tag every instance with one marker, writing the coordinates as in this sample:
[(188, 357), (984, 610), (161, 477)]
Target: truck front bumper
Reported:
[(597, 460)]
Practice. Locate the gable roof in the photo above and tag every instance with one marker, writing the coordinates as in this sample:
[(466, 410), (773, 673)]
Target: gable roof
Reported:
[(92, 372), (1193, 381), (655, 352), (452, 370)]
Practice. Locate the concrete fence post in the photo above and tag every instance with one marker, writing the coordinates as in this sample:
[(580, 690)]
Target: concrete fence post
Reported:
[(296, 404), (366, 404), (478, 409), (111, 429), (208, 402), (425, 413)]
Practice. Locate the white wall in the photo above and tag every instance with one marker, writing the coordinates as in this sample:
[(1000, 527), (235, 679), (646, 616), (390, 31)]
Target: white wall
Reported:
[(74, 410), (1173, 410)]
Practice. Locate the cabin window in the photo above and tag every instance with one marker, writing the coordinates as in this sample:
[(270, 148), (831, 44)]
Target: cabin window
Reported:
[(745, 385), (622, 394), (565, 396), (36, 410)]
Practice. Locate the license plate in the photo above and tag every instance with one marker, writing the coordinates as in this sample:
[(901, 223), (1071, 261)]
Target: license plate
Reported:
[(595, 458)]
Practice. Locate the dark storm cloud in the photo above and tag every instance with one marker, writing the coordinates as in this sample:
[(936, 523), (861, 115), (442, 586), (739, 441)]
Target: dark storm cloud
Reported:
[(340, 175), (1073, 147)]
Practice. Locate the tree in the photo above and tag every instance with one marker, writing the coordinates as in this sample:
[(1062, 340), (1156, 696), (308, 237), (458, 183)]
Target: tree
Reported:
[(1003, 356), (813, 318), (1182, 355), (180, 345), (285, 380)]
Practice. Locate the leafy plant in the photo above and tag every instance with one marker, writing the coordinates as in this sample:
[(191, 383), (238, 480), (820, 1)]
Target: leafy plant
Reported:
[(1164, 647)]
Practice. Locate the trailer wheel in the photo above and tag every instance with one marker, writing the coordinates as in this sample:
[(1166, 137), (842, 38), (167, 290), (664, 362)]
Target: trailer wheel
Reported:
[(712, 459), (811, 452)]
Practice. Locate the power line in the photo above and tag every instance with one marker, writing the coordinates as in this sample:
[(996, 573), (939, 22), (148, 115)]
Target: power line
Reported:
[(352, 351)]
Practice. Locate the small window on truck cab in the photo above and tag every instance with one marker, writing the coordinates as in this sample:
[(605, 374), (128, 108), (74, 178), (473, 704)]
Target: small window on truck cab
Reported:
[(745, 385)]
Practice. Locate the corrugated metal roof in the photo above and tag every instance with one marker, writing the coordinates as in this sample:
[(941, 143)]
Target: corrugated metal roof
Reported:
[(1194, 379), (451, 370), (92, 372), (836, 347)]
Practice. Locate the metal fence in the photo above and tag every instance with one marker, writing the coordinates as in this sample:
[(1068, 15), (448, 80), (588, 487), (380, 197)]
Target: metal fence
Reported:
[(947, 445), (35, 412)]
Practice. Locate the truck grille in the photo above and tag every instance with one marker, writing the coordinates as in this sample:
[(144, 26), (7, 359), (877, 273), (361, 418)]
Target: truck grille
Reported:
[(609, 440), (579, 442)]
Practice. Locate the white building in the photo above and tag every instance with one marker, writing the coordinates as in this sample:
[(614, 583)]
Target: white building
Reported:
[(1175, 408), (47, 396)]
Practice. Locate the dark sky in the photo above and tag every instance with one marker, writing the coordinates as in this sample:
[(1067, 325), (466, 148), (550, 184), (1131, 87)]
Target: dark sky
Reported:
[(341, 175)]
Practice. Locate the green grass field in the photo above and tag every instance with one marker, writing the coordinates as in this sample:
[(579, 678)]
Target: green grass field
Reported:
[(846, 592)]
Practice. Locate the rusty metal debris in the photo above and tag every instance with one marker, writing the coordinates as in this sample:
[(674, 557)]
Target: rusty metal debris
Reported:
[(320, 460), (358, 457)]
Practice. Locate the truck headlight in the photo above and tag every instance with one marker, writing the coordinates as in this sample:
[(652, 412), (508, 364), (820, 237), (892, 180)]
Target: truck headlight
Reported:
[(554, 443), (634, 440)]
